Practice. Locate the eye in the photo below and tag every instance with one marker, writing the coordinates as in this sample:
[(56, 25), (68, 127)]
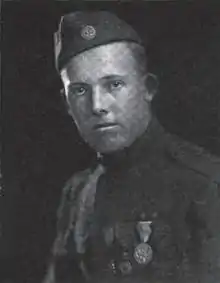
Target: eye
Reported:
[(77, 90), (115, 85)]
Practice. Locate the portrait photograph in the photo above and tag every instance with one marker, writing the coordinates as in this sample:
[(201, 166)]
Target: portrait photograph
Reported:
[(110, 142)]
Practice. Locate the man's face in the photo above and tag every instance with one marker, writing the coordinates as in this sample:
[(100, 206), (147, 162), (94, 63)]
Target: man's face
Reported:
[(107, 97)]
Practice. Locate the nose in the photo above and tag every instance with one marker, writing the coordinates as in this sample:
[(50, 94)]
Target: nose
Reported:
[(99, 101)]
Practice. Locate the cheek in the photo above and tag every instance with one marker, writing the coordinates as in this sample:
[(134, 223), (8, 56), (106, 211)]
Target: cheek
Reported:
[(79, 111), (131, 107)]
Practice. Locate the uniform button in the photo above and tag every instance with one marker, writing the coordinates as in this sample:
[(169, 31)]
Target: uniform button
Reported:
[(125, 267), (112, 266)]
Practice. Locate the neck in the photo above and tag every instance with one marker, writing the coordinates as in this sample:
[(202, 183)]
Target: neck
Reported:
[(139, 150)]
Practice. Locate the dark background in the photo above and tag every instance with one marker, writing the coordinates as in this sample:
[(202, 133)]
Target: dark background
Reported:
[(41, 148)]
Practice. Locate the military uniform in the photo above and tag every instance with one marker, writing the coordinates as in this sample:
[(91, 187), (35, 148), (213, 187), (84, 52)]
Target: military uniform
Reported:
[(147, 214), (168, 186)]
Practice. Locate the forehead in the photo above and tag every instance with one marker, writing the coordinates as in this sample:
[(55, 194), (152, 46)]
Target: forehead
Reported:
[(106, 60)]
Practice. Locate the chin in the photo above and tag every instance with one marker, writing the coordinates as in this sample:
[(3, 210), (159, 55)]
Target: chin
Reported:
[(109, 142), (109, 147)]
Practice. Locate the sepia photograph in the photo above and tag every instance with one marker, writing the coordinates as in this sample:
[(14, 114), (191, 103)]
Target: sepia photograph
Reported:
[(110, 142)]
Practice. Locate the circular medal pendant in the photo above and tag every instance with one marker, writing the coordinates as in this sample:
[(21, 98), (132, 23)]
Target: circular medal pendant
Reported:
[(125, 267), (143, 254)]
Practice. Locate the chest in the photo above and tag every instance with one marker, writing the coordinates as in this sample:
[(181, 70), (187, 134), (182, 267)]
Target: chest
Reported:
[(163, 195), (155, 189)]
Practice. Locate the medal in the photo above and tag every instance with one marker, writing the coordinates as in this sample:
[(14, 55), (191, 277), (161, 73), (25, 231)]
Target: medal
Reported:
[(122, 239), (143, 253)]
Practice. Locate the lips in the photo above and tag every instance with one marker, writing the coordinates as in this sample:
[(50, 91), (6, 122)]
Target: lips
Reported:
[(105, 126)]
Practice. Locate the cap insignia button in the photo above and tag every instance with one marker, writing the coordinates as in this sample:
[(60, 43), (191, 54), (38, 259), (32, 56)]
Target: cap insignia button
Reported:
[(88, 32)]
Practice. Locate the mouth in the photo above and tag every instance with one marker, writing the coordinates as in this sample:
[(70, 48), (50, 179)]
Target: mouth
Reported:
[(105, 126)]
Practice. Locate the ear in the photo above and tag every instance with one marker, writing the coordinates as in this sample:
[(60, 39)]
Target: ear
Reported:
[(152, 84)]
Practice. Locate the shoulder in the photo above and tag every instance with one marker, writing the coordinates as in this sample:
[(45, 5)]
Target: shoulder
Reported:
[(71, 187), (76, 179), (73, 198), (194, 158), (205, 204), (65, 213), (78, 185)]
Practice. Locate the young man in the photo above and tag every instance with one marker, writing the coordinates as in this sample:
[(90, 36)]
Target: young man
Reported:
[(146, 209)]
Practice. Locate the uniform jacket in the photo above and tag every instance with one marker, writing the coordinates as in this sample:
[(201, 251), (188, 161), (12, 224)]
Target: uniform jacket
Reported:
[(175, 184)]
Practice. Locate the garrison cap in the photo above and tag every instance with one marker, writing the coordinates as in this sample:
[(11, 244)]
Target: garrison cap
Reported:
[(80, 31)]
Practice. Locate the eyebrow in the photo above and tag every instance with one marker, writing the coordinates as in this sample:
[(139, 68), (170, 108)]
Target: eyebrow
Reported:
[(111, 77), (75, 84), (105, 78)]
